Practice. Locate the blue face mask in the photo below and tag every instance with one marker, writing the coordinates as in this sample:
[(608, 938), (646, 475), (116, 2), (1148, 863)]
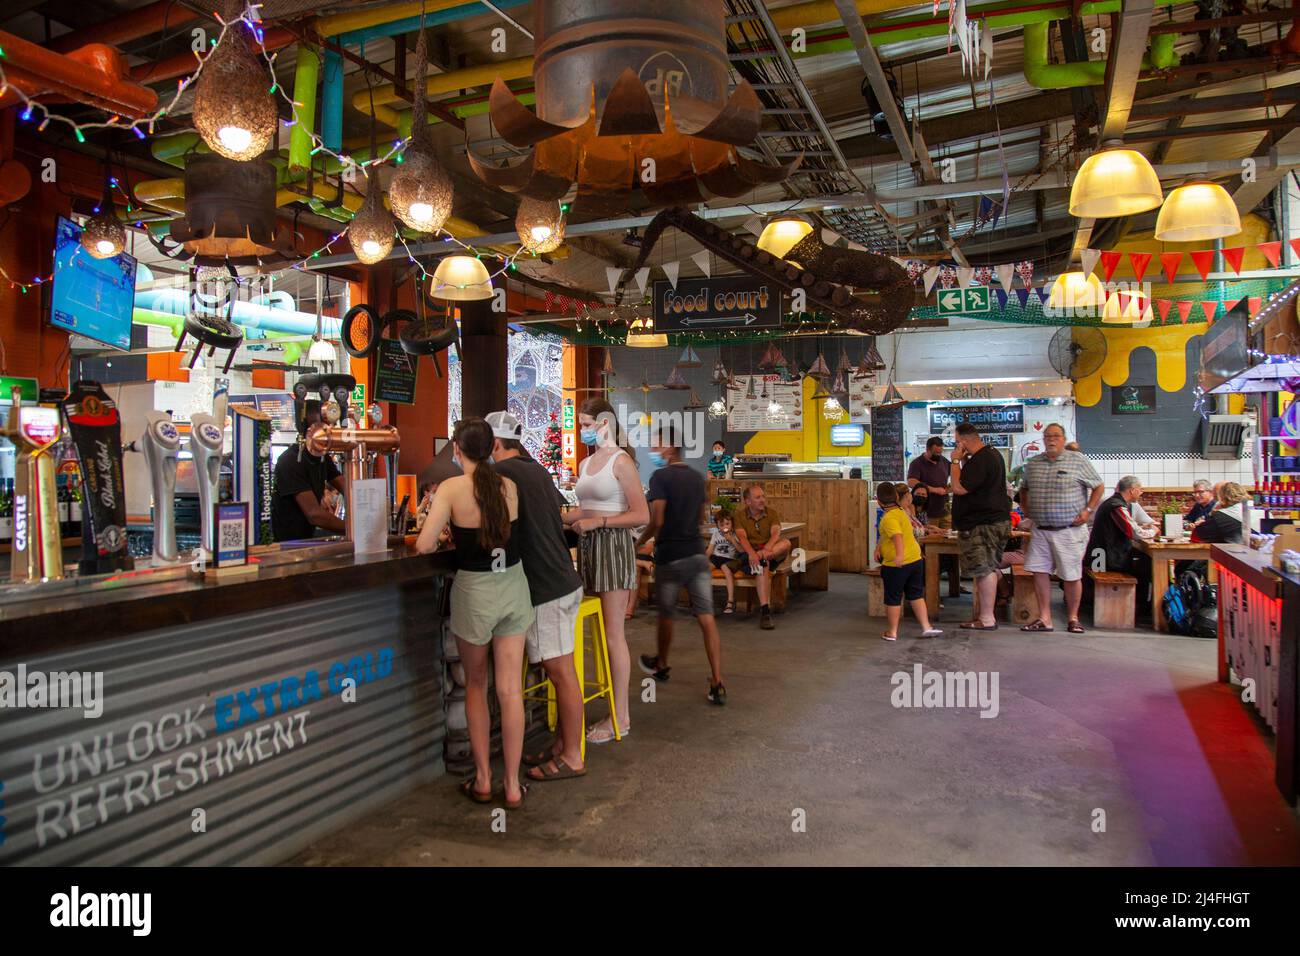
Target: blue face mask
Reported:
[(717, 454), (589, 436), (658, 460)]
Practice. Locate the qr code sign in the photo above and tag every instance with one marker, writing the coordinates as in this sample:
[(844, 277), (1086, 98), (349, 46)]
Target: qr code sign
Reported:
[(232, 536)]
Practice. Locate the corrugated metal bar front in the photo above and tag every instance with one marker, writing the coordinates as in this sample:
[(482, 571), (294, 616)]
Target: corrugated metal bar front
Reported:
[(231, 741)]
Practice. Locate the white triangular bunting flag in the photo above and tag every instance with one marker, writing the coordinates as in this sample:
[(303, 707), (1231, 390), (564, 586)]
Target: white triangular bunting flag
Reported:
[(754, 225), (931, 276), (642, 276), (1089, 259), (670, 270), (701, 259), (1006, 275), (830, 237), (964, 274), (611, 276)]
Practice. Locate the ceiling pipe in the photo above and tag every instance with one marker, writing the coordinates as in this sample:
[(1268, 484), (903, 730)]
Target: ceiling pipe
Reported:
[(183, 64), (124, 27), (305, 77), (1058, 76), (95, 75)]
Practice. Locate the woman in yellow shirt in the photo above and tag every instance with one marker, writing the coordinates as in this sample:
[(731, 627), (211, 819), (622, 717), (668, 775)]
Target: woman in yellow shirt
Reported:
[(903, 570)]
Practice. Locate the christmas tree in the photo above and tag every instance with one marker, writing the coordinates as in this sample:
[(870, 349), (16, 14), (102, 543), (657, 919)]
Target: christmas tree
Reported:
[(550, 457)]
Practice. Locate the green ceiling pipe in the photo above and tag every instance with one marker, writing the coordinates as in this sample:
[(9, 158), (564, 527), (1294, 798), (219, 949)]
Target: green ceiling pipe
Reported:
[(164, 319), (1059, 76), (305, 79)]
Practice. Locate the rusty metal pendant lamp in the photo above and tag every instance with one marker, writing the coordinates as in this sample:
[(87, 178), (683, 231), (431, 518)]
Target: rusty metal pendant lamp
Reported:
[(230, 214), (631, 97)]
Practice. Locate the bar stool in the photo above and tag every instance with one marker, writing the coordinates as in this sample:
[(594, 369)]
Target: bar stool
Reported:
[(602, 683)]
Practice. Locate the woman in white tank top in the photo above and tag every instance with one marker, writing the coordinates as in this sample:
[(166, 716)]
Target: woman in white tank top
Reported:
[(610, 504)]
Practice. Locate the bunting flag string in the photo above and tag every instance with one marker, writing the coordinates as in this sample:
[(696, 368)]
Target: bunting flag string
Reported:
[(1170, 261), (1109, 260), (1139, 262), (1184, 310), (1204, 261), (1209, 307)]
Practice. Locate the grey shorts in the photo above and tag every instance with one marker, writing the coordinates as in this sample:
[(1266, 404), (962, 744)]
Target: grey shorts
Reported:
[(551, 634), (488, 604), (693, 573)]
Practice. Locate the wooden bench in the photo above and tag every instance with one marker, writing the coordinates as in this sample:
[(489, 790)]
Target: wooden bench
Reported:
[(1114, 601), (1024, 603), (816, 574), (876, 594)]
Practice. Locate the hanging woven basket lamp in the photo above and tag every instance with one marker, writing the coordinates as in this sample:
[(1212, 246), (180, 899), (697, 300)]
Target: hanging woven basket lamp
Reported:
[(421, 192), (540, 224), (103, 235), (372, 230), (234, 108)]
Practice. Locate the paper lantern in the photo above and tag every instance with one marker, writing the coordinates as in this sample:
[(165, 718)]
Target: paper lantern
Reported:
[(1197, 212), (540, 224), (783, 234), (372, 228), (461, 279), (1115, 182), (234, 108)]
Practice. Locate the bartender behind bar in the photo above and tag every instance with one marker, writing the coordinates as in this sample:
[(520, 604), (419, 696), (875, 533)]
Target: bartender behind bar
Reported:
[(300, 478)]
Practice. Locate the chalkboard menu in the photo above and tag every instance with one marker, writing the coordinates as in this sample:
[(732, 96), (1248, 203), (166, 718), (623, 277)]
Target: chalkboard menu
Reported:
[(887, 444), (395, 373)]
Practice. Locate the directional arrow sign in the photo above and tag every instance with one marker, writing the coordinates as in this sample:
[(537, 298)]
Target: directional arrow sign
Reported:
[(961, 301), (950, 302)]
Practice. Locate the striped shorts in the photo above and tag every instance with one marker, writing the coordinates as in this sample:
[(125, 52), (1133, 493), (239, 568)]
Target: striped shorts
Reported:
[(607, 560)]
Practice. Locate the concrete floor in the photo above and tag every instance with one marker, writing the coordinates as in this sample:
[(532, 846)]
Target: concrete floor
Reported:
[(1132, 723)]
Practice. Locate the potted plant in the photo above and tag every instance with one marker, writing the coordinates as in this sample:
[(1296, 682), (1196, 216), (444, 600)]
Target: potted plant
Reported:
[(1171, 520)]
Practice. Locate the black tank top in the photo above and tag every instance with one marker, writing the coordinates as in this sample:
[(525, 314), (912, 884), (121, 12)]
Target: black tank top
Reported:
[(471, 556)]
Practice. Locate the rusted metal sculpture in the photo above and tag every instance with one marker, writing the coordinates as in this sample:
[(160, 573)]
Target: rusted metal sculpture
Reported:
[(230, 215), (831, 278), (631, 95)]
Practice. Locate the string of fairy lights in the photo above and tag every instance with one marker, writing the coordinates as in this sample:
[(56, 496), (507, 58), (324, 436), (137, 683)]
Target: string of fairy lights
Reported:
[(34, 111)]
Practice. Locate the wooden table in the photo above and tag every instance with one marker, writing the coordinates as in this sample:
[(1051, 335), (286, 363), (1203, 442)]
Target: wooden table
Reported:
[(935, 546), (1163, 554)]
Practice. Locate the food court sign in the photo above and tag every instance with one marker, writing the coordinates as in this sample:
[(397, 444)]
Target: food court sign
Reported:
[(717, 303), (997, 419)]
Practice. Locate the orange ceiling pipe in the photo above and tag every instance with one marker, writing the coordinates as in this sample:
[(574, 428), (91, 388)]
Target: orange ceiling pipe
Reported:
[(183, 64), (96, 75), (124, 27)]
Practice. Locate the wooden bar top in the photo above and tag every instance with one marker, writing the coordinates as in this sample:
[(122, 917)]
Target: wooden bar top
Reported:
[(1253, 567)]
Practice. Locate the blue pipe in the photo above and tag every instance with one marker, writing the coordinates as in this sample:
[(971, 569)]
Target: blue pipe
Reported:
[(331, 103), (247, 315), (410, 24)]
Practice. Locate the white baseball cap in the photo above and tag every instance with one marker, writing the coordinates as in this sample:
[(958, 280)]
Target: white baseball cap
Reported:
[(504, 425)]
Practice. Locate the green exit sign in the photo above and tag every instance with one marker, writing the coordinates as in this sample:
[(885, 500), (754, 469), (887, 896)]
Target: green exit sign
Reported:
[(359, 395), (961, 301), (568, 414)]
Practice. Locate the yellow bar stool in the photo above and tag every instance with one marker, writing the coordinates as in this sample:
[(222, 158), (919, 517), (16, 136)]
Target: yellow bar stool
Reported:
[(601, 684)]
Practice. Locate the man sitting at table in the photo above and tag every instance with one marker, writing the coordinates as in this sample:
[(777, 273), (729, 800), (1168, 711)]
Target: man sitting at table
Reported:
[(1223, 525), (1110, 546), (759, 530), (1203, 501), (1060, 493)]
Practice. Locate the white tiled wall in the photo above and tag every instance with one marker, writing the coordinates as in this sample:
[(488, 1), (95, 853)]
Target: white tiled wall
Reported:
[(1173, 472)]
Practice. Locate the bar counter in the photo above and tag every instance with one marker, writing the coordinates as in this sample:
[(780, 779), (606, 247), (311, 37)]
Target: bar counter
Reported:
[(241, 718)]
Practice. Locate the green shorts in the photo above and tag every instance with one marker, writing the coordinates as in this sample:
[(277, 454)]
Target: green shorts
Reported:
[(488, 604), (982, 547)]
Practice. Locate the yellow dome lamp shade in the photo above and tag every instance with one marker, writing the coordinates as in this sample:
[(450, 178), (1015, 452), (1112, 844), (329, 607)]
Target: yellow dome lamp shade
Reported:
[(1198, 212), (1115, 181), (461, 279), (1127, 308), (783, 234), (1074, 291), (641, 335)]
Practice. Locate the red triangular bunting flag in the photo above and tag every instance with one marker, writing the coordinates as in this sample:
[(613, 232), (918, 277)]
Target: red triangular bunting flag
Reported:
[(1139, 261), (1163, 306), (1124, 298), (1170, 261), (1295, 246), (1253, 304), (1109, 260), (1229, 306), (1204, 260), (1272, 252), (1209, 308), (1184, 310), (1233, 258)]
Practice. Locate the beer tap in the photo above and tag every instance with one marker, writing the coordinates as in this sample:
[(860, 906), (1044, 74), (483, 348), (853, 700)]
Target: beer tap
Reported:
[(161, 444), (207, 442), (37, 546)]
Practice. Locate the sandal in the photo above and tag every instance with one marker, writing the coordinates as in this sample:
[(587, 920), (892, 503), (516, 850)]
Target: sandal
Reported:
[(1037, 626), (603, 735), (730, 608), (977, 626), (478, 796), (540, 757), (518, 804), (562, 771), (1074, 627)]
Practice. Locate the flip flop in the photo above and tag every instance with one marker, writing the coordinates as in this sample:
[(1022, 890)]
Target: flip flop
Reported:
[(1074, 627), (976, 626), (467, 788), (606, 736), (563, 772), (1037, 626), (518, 804)]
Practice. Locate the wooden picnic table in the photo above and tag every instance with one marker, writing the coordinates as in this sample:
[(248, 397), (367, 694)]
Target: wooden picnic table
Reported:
[(1163, 554), (935, 546)]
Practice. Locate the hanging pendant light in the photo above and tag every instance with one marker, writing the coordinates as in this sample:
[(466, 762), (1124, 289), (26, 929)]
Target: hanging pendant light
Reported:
[(321, 350), (540, 224), (103, 235), (1198, 212), (775, 410), (717, 409), (832, 410), (1073, 291), (1114, 181), (461, 279), (421, 192), (234, 108), (641, 335), (782, 234), (1127, 308), (372, 229)]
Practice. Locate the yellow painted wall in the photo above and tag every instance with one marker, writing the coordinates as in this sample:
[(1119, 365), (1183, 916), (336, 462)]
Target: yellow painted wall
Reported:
[(803, 445)]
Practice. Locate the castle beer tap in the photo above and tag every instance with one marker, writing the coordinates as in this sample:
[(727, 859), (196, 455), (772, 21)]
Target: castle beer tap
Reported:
[(37, 546)]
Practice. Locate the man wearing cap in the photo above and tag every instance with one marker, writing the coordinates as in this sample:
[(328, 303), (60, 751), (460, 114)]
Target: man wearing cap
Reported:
[(556, 592)]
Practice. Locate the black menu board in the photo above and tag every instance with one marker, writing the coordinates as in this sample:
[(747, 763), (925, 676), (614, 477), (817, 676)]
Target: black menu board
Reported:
[(395, 373), (887, 444)]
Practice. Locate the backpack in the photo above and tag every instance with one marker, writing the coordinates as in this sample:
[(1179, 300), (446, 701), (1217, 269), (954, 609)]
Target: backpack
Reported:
[(1178, 617)]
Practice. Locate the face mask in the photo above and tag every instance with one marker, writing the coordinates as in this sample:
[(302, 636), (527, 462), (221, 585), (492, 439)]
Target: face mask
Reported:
[(589, 436), (716, 453), (455, 460), (658, 460)]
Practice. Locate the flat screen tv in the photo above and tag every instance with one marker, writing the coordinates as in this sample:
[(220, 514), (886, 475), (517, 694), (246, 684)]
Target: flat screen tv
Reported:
[(91, 297)]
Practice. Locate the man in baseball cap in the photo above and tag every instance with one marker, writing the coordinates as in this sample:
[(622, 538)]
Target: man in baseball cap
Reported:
[(556, 592)]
